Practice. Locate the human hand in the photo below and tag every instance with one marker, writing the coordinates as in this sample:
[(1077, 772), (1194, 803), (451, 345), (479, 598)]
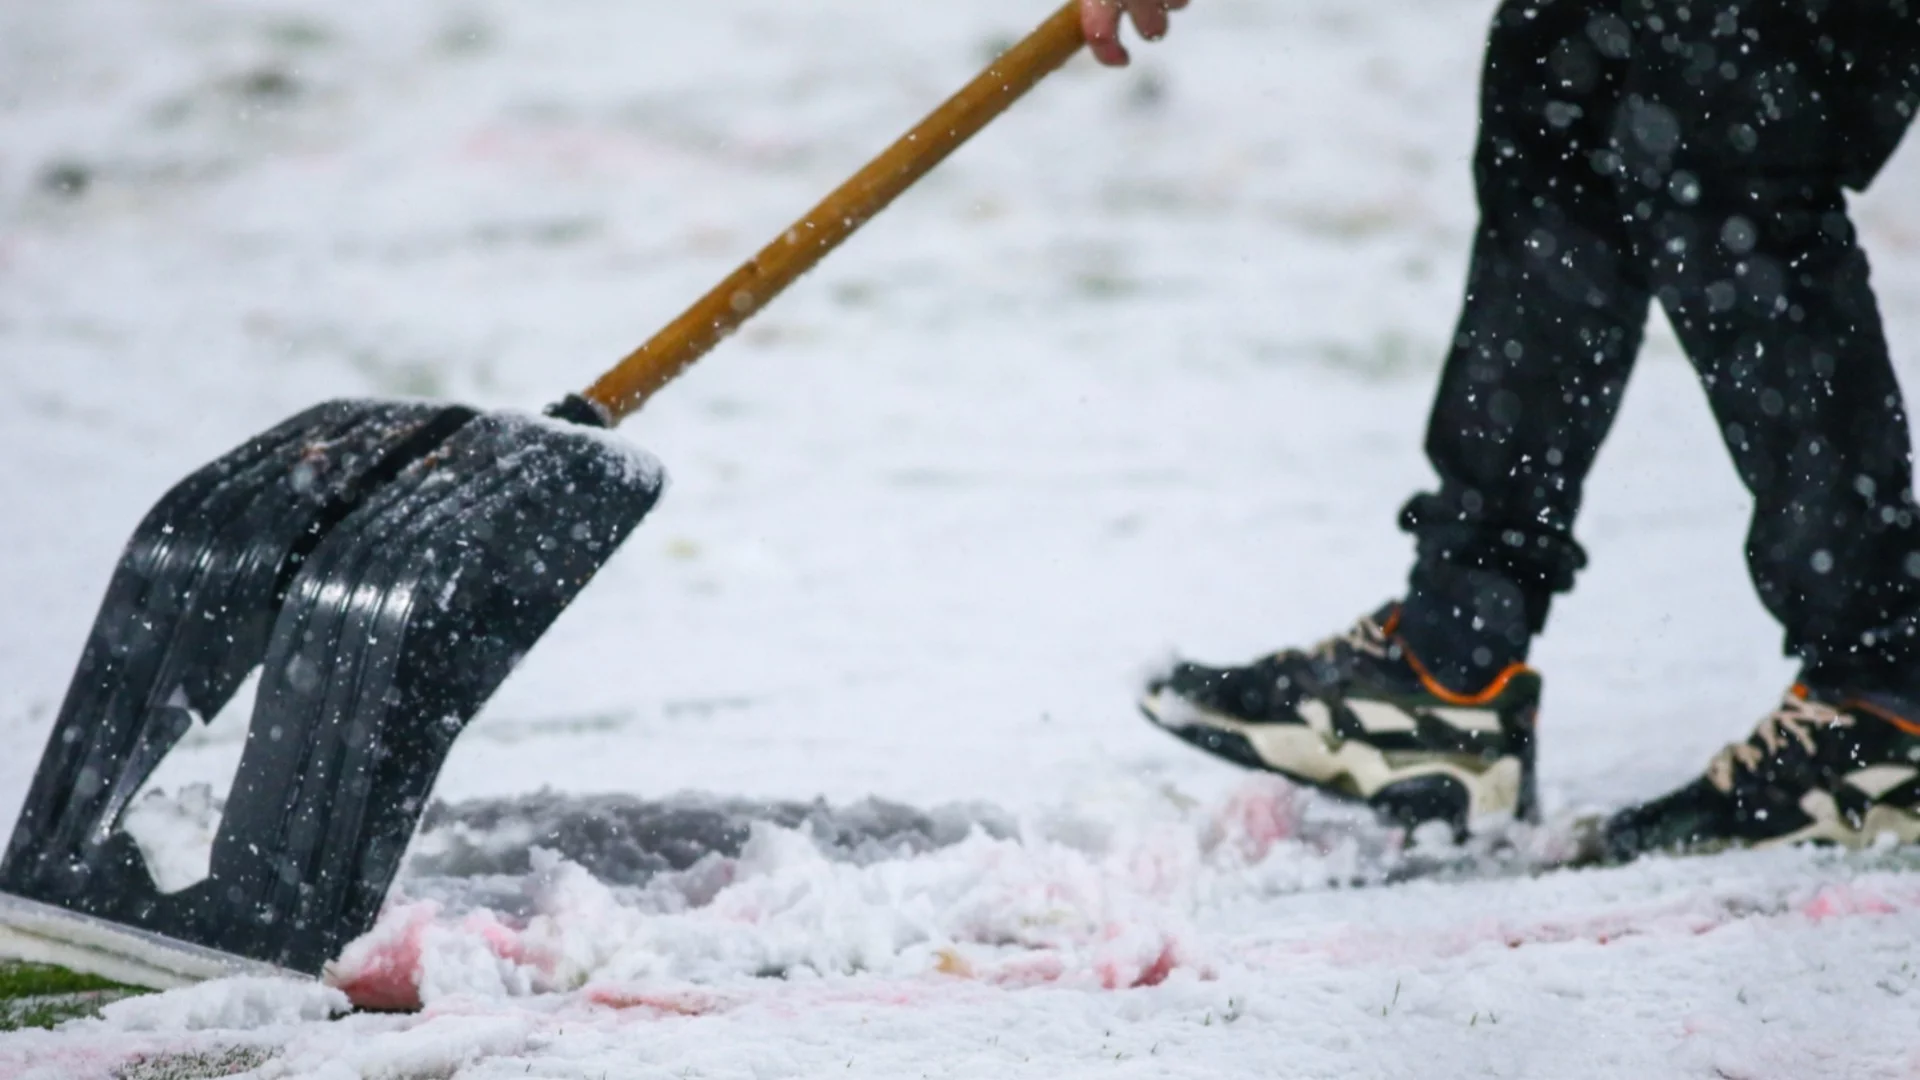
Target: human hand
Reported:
[(1100, 21)]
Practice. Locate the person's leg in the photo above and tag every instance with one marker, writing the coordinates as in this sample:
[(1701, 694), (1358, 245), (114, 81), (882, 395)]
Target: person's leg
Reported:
[(1734, 149), (1552, 321), (1742, 127), (1777, 314), (1422, 710)]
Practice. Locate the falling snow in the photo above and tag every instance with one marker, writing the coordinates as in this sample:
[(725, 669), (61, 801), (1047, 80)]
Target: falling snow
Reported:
[(1143, 369)]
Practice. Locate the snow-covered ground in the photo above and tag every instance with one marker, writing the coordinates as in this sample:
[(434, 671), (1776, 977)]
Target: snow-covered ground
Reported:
[(1143, 369)]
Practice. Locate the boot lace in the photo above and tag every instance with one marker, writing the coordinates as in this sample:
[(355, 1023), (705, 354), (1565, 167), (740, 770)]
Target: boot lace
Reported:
[(1365, 636), (1795, 718)]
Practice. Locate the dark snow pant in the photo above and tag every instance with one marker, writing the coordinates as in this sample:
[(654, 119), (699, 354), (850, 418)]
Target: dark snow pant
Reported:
[(1692, 152)]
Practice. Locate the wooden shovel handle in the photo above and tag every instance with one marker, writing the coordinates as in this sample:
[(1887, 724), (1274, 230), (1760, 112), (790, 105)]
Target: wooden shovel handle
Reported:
[(624, 389)]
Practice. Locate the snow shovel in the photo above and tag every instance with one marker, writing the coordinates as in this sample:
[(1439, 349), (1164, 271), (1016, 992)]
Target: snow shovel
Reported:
[(384, 565)]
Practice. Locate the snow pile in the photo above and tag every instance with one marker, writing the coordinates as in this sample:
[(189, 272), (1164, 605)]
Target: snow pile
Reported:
[(1074, 898), (1123, 925), (243, 1003)]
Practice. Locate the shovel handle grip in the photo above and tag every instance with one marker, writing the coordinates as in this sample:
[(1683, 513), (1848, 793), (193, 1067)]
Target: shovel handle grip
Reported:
[(651, 366)]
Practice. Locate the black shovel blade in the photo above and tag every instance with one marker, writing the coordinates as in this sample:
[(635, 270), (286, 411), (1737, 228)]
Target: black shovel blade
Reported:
[(400, 625), (187, 615)]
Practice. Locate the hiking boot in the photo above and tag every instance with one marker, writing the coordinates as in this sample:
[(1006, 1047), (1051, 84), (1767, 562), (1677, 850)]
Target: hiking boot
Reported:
[(1821, 768), (1359, 717)]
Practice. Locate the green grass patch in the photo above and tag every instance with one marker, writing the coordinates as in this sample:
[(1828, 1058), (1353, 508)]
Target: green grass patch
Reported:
[(41, 995)]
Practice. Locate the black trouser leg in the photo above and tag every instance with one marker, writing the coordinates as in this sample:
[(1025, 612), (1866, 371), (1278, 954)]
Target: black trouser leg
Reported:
[(1624, 150), (1552, 322), (1773, 307), (1733, 186)]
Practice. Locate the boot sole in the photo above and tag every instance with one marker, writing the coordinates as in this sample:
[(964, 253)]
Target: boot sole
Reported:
[(1460, 791)]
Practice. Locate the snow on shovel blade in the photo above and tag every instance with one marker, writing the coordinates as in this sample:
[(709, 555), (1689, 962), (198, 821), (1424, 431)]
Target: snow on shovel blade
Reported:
[(400, 625), (187, 615)]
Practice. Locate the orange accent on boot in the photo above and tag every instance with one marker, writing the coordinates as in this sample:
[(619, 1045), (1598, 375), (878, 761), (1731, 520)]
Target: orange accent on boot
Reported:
[(1854, 704), (1453, 697)]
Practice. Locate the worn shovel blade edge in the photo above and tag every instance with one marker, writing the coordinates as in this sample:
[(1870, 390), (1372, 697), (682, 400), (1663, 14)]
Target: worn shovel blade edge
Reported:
[(39, 933)]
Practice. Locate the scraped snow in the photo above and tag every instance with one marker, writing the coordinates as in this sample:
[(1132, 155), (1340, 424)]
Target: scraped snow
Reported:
[(242, 1003), (1143, 369)]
